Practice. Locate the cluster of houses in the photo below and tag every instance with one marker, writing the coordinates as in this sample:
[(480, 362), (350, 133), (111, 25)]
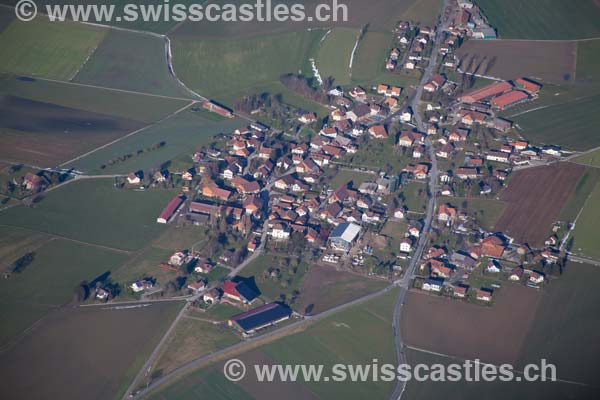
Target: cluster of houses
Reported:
[(444, 271), (412, 44), (467, 19)]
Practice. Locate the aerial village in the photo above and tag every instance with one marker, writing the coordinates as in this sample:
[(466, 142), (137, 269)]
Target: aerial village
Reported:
[(262, 190)]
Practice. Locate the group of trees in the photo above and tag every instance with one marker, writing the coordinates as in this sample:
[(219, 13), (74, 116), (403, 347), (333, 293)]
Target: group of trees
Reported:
[(302, 85)]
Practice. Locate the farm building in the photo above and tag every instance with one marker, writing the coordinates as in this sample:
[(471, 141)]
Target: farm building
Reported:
[(527, 85), (238, 291), (486, 92), (344, 235), (262, 317), (170, 210), (214, 107), (509, 99)]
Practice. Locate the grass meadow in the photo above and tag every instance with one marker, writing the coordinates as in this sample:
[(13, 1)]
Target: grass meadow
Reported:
[(94, 211), (587, 240), (588, 59), (543, 19), (47, 49), (334, 55), (182, 133), (131, 61)]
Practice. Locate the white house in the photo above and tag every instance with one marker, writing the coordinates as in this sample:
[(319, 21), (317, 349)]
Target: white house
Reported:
[(406, 245)]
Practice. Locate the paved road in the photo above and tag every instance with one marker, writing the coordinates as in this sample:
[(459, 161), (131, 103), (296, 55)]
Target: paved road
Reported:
[(253, 341), (414, 103)]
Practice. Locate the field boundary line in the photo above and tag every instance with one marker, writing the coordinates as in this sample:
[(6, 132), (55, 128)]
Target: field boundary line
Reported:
[(60, 237), (421, 350), (162, 96), (129, 134)]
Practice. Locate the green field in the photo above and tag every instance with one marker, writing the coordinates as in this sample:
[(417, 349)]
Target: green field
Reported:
[(424, 11), (587, 240), (571, 125), (131, 61), (344, 176), (95, 211), (43, 48), (334, 55), (272, 287), (220, 68), (182, 133), (588, 59), (496, 390), (49, 281), (592, 159), (100, 350), (370, 57), (582, 191), (415, 196), (103, 101), (485, 211), (354, 336), (192, 338), (543, 19)]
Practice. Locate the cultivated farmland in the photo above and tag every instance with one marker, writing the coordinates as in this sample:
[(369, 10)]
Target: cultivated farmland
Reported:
[(543, 61), (495, 390), (571, 124), (218, 68), (95, 211), (103, 101), (334, 55), (354, 336), (382, 14), (180, 133), (43, 48), (527, 219), (325, 288), (99, 350), (543, 19), (587, 240), (588, 59), (470, 331), (27, 126), (115, 65), (27, 296)]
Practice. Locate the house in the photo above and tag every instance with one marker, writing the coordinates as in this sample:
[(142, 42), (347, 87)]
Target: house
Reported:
[(435, 252), (170, 210), (178, 258), (197, 287), (460, 291), (445, 151), (134, 178), (358, 93), (419, 171), (435, 83), (139, 286), (492, 246), (406, 245), (399, 213), (259, 318), (439, 269), (497, 156), (433, 284), (408, 138), (516, 274), (210, 189), (344, 235), (418, 151), (484, 294), (280, 231), (463, 260), (36, 183), (102, 294), (378, 132), (467, 173), (308, 118), (218, 109), (406, 116), (492, 267), (203, 267), (212, 296), (239, 292), (245, 186), (446, 213), (536, 277)]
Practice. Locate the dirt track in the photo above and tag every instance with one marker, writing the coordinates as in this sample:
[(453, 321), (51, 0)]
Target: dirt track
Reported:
[(535, 197)]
